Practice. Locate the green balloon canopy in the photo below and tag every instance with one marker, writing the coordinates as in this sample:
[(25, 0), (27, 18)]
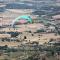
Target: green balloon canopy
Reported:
[(22, 19)]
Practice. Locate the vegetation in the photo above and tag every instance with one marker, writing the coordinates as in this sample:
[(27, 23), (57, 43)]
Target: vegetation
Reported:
[(33, 52)]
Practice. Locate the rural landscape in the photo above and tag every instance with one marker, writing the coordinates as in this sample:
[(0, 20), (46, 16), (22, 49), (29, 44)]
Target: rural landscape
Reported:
[(29, 29)]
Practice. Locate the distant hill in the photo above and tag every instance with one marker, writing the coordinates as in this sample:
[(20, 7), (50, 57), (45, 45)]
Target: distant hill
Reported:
[(18, 6)]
